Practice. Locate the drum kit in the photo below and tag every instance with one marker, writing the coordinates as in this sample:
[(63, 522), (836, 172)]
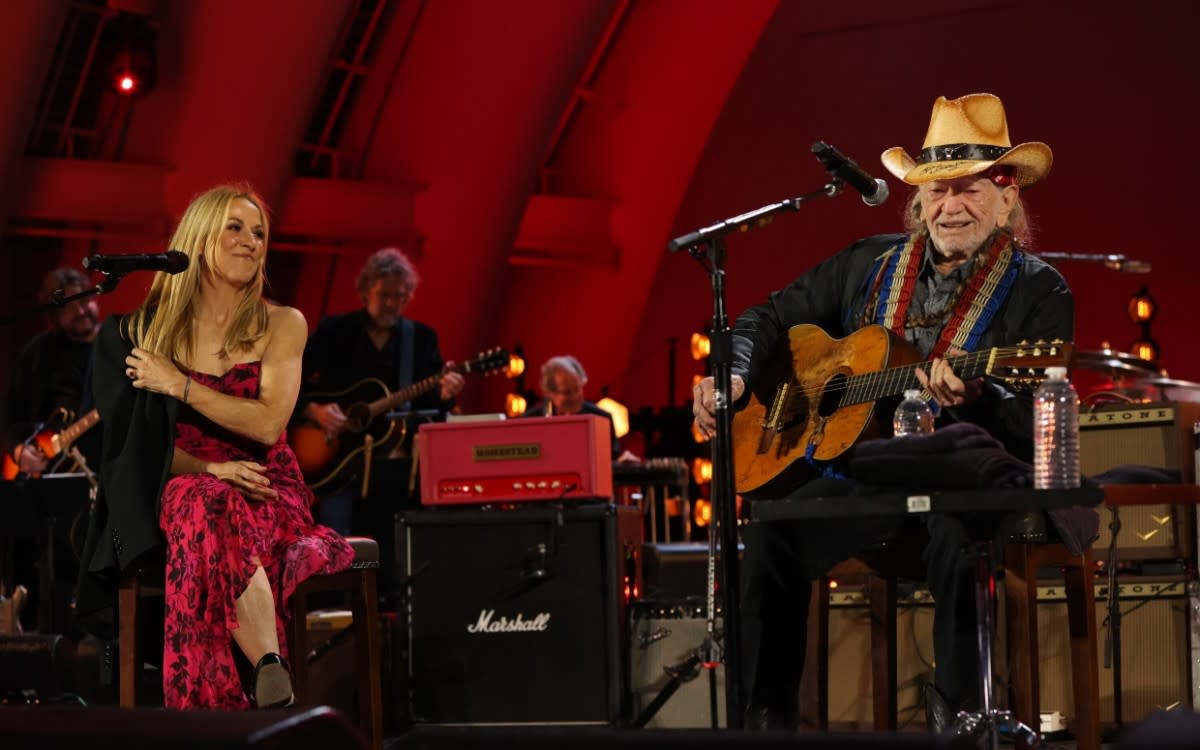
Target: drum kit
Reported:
[(1119, 376)]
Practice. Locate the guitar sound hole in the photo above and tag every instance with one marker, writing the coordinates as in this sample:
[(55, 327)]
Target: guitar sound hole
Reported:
[(358, 417), (831, 396)]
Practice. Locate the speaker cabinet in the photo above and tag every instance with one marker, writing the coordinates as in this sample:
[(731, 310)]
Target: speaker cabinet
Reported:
[(517, 616), (1154, 434), (664, 634), (1154, 648)]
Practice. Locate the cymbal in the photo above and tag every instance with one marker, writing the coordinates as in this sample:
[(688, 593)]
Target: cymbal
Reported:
[(1114, 363), (1170, 383)]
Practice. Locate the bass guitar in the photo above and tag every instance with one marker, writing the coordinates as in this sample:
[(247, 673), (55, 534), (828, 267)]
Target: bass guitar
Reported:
[(53, 443), (817, 396), (327, 460)]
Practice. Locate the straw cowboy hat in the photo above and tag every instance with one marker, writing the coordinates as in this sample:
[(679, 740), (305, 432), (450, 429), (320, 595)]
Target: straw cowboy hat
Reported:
[(967, 136)]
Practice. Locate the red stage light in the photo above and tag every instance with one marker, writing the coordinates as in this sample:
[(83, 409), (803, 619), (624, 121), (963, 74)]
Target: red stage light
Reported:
[(127, 84)]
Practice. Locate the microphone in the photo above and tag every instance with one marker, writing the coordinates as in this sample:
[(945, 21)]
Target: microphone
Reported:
[(874, 190), (172, 261), (1110, 261), (1127, 265)]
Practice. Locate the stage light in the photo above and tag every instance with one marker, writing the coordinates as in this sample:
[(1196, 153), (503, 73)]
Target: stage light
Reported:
[(1142, 307), (702, 470), (514, 404), (701, 346), (1146, 349), (702, 513), (516, 365), (697, 434), (618, 411), (133, 65)]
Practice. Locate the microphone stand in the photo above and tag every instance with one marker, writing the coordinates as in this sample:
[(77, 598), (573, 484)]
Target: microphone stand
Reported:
[(707, 246), (108, 284)]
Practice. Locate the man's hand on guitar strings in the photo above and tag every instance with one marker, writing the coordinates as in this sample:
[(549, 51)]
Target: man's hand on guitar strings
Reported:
[(328, 417), (945, 386), (704, 406), (452, 382)]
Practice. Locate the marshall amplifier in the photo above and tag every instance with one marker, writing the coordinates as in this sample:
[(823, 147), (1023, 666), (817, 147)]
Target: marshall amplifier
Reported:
[(1153, 434), (517, 616)]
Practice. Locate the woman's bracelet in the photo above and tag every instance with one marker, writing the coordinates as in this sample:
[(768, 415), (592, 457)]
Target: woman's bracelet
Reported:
[(187, 386)]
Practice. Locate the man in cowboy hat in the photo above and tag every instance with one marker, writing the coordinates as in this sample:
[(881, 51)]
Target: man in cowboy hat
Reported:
[(957, 280)]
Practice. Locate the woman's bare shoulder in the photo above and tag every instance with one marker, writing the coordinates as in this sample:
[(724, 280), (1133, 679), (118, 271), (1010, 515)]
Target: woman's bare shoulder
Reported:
[(286, 327), (282, 317)]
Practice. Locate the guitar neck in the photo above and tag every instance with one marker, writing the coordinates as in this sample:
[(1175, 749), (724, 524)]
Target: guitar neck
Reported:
[(419, 388), (72, 431), (894, 381)]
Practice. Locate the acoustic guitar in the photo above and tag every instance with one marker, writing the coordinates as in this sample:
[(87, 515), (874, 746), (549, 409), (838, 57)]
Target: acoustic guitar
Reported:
[(53, 442), (818, 394), (328, 460)]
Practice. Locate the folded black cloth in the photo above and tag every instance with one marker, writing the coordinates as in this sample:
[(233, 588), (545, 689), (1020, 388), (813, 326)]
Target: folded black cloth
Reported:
[(961, 456), (1138, 474)]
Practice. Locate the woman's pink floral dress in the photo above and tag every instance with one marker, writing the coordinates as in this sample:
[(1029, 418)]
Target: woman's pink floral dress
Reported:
[(214, 534)]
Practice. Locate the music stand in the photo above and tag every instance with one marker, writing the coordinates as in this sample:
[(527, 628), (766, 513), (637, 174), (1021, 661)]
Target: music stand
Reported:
[(49, 509)]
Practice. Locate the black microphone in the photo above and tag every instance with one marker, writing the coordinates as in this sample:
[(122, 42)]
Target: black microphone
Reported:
[(172, 261), (874, 191)]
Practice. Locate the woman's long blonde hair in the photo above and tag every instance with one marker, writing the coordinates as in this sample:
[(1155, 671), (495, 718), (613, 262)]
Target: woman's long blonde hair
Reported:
[(163, 322)]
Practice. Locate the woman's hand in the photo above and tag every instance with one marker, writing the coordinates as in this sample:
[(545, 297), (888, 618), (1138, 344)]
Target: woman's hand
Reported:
[(248, 477), (154, 373)]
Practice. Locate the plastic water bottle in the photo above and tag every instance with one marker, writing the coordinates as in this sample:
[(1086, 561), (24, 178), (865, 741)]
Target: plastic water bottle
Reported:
[(1055, 432), (913, 416)]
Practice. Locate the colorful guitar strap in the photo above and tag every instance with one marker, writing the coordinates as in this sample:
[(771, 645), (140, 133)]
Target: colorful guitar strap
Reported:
[(893, 278)]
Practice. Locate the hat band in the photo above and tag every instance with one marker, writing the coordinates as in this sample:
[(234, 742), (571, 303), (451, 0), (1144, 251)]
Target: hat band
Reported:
[(962, 152)]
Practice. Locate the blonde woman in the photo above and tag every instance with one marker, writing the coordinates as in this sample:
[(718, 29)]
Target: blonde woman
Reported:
[(213, 369)]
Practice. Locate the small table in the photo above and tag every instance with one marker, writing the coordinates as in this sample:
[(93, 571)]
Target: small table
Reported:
[(988, 720)]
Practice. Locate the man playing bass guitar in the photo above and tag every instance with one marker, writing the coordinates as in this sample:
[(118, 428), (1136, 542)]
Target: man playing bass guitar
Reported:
[(375, 342), (959, 280)]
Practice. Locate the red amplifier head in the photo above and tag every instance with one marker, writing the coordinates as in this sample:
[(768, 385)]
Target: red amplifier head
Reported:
[(551, 458)]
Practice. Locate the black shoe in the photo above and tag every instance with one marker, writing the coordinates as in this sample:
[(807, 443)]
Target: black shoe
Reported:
[(272, 683), (938, 713), (760, 718)]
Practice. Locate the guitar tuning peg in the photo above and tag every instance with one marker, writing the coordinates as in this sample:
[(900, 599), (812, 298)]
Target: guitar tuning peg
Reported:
[(1023, 342)]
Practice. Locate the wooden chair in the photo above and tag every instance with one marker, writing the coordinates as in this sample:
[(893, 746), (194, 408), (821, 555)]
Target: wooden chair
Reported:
[(358, 583), (1022, 562), (143, 582)]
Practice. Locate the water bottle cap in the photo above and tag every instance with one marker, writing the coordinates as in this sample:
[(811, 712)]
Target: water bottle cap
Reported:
[(912, 393), (1056, 373)]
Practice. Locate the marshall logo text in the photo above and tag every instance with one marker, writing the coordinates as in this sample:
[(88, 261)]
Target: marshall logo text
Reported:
[(485, 623)]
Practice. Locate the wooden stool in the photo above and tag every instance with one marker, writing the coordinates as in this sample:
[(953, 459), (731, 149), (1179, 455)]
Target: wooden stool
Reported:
[(358, 582), (1022, 561), (881, 593)]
